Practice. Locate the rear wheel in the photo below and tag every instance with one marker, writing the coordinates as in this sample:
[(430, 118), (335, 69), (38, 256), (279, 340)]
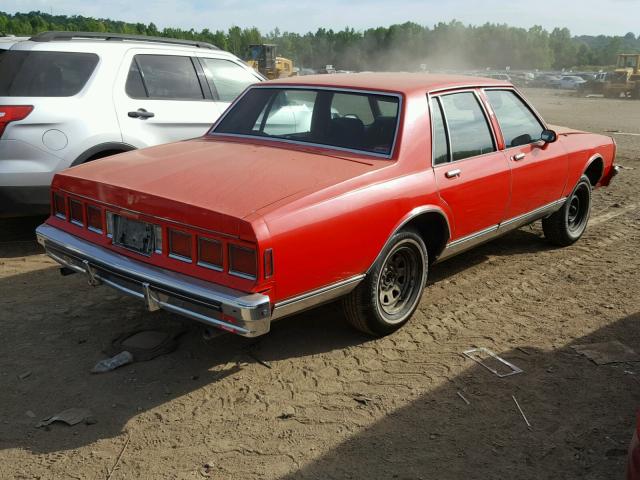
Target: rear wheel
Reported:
[(567, 225), (391, 291)]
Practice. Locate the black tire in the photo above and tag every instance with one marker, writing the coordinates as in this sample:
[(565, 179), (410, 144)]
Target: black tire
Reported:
[(386, 299), (567, 225)]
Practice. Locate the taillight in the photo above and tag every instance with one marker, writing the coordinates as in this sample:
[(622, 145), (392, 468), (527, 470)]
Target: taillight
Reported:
[(242, 262), (75, 210), (94, 219), (157, 238), (13, 113), (59, 206), (179, 245), (210, 253)]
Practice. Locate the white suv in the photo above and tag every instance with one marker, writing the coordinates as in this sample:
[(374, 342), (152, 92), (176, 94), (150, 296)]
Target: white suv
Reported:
[(69, 97)]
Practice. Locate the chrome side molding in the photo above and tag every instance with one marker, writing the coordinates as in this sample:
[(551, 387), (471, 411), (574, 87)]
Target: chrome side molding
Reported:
[(315, 297), (465, 243)]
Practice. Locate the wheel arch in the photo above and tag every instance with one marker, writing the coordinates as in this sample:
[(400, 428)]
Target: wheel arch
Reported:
[(431, 223), (594, 169), (102, 150)]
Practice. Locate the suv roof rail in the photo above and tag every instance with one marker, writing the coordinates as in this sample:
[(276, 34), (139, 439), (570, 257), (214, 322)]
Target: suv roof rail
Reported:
[(51, 36)]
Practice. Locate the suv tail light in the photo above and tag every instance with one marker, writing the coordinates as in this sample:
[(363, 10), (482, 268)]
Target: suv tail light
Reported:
[(243, 262), (12, 113)]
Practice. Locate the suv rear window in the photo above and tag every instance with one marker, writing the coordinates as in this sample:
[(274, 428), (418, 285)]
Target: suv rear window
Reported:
[(44, 74)]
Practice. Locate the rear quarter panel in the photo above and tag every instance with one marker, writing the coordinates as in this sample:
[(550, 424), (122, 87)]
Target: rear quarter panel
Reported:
[(582, 149), (339, 232)]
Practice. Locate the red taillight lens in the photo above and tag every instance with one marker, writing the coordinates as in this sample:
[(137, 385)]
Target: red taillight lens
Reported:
[(179, 245), (210, 253), (94, 219), (75, 208), (59, 207), (242, 261), (12, 113)]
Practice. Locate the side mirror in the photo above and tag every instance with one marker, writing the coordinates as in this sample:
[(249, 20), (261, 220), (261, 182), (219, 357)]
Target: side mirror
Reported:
[(548, 136)]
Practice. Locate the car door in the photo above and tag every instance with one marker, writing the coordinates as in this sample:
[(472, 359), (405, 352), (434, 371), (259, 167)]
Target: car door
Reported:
[(227, 79), (538, 171), (162, 97), (472, 175)]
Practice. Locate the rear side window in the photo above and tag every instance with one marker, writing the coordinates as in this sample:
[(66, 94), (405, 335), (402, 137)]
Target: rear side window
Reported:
[(519, 126), (468, 128), (440, 147), (352, 106), (44, 73), (229, 79), (166, 77)]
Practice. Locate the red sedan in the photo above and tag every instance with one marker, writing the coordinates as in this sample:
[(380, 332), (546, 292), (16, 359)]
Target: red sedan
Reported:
[(313, 188)]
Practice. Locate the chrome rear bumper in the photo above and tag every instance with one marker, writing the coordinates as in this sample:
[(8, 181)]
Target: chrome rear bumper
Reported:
[(246, 314)]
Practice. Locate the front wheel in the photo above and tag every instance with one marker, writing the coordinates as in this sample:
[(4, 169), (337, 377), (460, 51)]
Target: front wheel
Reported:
[(567, 225), (391, 291)]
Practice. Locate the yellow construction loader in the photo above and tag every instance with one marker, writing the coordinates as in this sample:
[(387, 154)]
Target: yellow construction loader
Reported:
[(625, 79), (262, 57)]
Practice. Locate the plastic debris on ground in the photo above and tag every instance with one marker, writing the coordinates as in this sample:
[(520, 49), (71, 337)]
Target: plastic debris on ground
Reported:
[(71, 416), (108, 364)]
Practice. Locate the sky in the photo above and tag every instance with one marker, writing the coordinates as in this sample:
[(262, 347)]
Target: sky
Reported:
[(582, 17)]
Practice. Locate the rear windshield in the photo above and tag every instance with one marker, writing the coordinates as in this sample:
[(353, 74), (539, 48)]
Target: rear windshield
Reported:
[(45, 73), (357, 121)]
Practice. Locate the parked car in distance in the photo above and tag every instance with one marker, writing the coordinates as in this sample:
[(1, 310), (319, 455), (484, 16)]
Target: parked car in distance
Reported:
[(394, 173), (498, 76), (571, 82), (68, 98)]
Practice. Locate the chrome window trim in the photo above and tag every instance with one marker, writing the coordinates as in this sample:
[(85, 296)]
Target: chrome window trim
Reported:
[(483, 108), (95, 230), (285, 86), (526, 104), (60, 215), (242, 275)]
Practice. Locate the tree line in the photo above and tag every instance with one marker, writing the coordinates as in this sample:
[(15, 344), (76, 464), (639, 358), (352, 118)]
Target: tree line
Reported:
[(407, 46)]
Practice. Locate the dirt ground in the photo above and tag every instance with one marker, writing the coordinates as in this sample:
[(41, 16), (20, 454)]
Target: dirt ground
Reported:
[(325, 402)]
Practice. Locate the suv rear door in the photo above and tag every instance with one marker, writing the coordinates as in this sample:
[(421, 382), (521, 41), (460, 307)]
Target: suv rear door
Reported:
[(162, 96)]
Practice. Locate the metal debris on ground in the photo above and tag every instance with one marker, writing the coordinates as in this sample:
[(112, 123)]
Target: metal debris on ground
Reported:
[(71, 416), (463, 398), (108, 364), (473, 354), (115, 465), (521, 412), (607, 352), (259, 360), (526, 352)]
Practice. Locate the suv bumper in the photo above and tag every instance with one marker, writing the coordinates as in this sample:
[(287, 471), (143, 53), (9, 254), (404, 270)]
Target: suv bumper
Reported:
[(18, 201), (246, 314)]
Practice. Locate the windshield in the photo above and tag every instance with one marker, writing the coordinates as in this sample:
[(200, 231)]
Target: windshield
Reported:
[(365, 122)]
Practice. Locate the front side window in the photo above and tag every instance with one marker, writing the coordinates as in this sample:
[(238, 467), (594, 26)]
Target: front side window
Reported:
[(44, 73), (166, 77), (228, 78), (469, 133), (518, 124), (342, 119)]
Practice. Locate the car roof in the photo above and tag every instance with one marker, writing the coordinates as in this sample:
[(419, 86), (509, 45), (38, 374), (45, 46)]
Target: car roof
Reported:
[(391, 82)]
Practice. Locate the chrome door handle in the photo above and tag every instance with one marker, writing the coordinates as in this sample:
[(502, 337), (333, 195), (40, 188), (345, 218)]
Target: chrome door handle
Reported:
[(453, 173), (518, 156)]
